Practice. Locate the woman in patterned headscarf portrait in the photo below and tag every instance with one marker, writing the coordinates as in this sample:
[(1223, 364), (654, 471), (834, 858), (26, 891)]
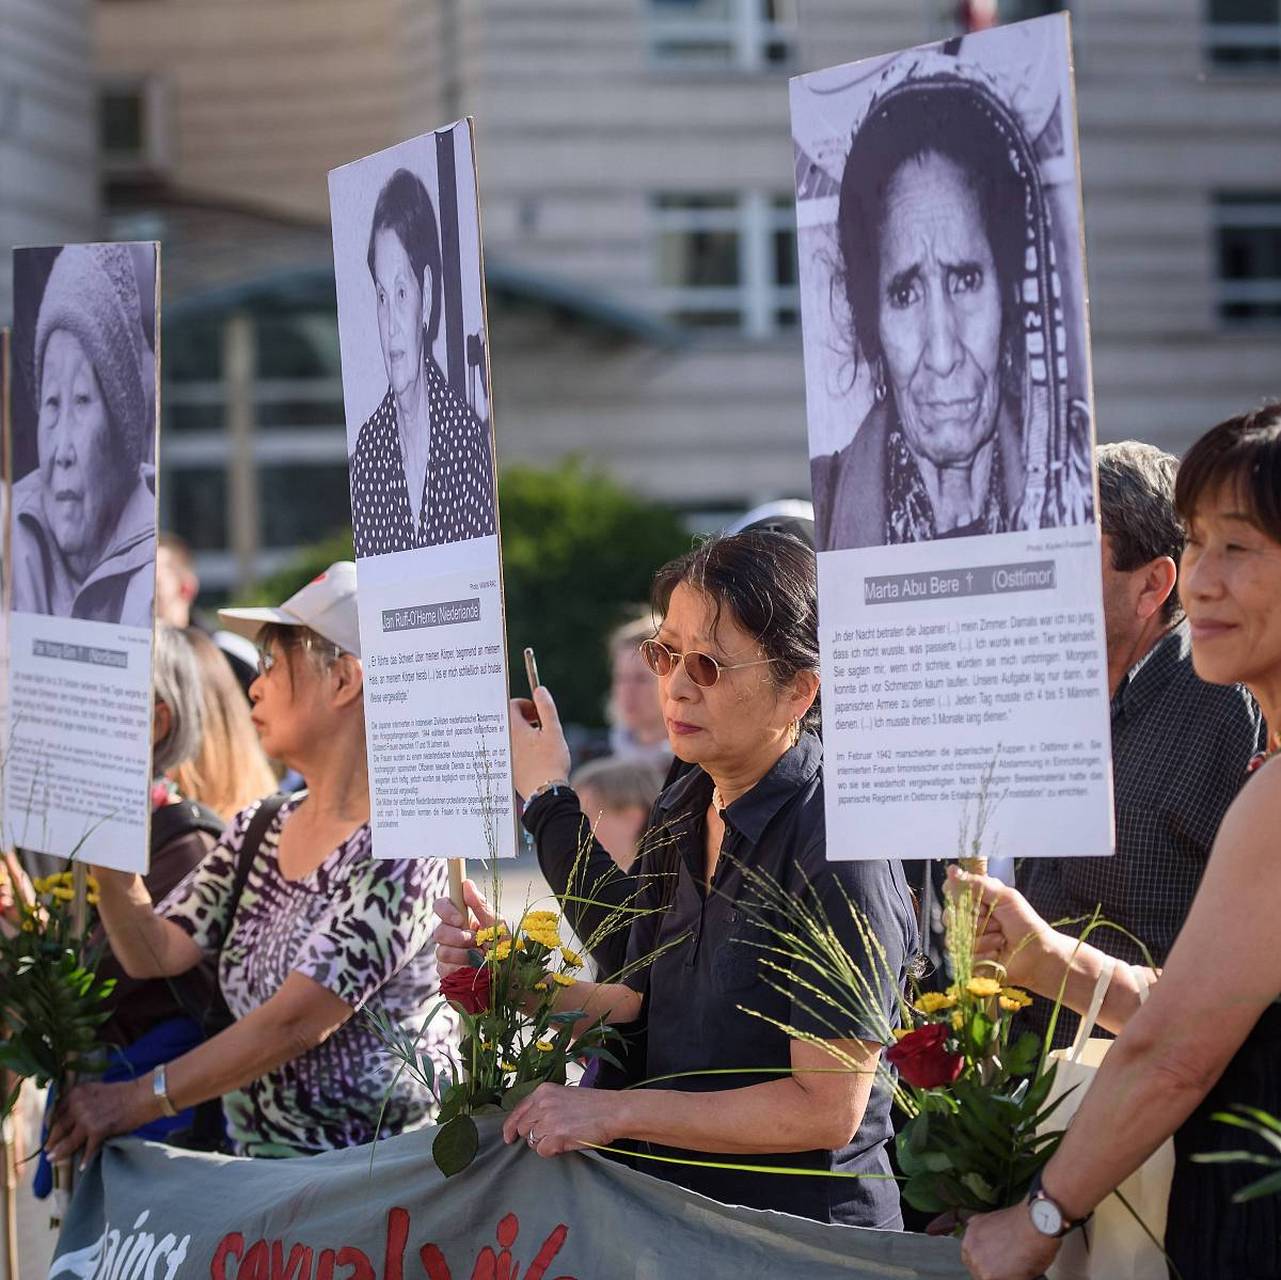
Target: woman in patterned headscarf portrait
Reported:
[(947, 269), (421, 472)]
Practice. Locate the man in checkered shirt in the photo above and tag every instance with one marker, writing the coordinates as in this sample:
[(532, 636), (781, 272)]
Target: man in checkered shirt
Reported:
[(1179, 746)]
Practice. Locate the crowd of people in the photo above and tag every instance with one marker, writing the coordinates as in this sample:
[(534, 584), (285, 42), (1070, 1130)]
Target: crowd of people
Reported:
[(265, 925)]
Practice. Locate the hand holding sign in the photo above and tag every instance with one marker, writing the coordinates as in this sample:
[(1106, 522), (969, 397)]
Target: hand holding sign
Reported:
[(539, 752)]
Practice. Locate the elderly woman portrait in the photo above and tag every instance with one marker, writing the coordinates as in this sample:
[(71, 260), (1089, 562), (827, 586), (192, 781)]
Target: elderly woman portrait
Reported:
[(421, 472), (947, 282), (85, 518)]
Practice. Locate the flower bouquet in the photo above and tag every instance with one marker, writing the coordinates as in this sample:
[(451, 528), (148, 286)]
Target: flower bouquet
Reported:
[(51, 999), (512, 1038)]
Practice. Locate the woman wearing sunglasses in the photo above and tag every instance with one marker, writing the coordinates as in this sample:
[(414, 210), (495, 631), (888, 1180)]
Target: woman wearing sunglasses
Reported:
[(736, 660), (305, 925)]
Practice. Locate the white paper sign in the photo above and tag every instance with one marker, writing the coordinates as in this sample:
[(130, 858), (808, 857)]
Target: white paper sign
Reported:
[(82, 533), (415, 362), (951, 441)]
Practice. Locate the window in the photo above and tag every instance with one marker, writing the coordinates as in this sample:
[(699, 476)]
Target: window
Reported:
[(743, 35), (1248, 227), (1244, 35), (728, 260), (131, 128)]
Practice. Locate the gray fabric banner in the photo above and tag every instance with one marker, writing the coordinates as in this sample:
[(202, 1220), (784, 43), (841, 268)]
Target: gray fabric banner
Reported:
[(148, 1212)]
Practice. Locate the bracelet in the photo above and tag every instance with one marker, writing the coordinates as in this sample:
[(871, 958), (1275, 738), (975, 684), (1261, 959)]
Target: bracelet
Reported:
[(553, 786), (160, 1091)]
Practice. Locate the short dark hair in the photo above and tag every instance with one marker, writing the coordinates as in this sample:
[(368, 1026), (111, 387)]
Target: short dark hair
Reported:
[(955, 119), (768, 583), (1136, 508), (1244, 452), (403, 206)]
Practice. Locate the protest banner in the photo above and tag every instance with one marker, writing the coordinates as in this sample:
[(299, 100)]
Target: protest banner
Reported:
[(951, 439), (415, 366), (145, 1210), (82, 530)]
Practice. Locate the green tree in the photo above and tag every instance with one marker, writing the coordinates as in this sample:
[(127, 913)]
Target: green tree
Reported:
[(578, 549)]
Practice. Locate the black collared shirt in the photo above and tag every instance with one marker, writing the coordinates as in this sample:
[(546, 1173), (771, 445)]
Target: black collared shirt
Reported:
[(696, 991), (1180, 748)]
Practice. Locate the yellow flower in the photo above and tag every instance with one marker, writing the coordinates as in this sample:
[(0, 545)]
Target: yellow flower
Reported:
[(572, 959), (983, 987), (958, 1020), (510, 1066), (540, 986), (60, 893), (1013, 998), (503, 949), (535, 920), (544, 1046), (490, 934), (933, 1001), (900, 1032), (92, 882), (561, 980), (549, 940)]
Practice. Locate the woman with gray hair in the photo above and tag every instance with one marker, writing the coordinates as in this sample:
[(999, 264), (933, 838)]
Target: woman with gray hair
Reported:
[(85, 519)]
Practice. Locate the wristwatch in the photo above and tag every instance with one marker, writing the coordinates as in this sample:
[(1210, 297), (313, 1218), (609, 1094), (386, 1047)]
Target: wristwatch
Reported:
[(1046, 1215), (553, 785), (160, 1091)]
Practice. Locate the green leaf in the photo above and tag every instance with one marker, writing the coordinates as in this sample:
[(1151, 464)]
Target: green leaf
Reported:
[(1020, 1059), (1268, 1186), (598, 1051), (922, 1194), (518, 1093), (455, 1145)]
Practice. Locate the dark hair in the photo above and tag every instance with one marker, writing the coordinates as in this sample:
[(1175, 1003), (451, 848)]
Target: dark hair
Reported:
[(768, 583), (957, 120), (1136, 509), (1244, 452), (405, 207)]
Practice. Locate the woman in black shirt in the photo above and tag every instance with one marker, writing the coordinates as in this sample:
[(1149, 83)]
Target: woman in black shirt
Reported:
[(736, 657)]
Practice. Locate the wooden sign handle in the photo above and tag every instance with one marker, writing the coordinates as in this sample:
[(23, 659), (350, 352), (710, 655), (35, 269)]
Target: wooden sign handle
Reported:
[(457, 870)]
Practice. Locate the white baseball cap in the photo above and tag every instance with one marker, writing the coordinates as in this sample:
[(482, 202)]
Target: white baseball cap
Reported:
[(327, 604)]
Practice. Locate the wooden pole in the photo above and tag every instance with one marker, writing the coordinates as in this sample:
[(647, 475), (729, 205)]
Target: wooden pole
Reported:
[(9, 1195), (457, 870)]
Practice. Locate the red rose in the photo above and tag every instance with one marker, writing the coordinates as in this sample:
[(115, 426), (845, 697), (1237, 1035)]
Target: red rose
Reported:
[(921, 1059), (468, 988)]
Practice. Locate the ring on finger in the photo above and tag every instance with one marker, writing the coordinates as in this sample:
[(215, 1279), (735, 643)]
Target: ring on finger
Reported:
[(531, 1139)]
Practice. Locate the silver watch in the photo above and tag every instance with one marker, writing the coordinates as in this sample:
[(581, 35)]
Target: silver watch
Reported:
[(1046, 1215), (160, 1091)]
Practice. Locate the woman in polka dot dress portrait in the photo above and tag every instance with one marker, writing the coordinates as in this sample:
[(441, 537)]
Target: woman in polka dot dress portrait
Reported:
[(421, 471)]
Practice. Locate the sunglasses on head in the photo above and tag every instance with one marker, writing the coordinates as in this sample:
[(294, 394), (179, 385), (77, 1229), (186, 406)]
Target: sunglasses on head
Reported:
[(701, 668)]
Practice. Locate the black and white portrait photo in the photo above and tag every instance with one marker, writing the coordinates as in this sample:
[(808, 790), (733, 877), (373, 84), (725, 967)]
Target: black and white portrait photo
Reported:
[(84, 432), (943, 291), (413, 343)]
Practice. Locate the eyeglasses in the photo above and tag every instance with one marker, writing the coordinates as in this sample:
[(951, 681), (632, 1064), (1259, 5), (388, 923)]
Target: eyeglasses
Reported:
[(701, 668), (268, 657)]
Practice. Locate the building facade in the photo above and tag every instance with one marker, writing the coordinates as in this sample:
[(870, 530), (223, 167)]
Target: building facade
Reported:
[(48, 128), (636, 173)]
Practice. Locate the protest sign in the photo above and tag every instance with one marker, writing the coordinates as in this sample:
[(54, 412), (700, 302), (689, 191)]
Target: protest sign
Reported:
[(415, 374), (82, 528), (144, 1210), (415, 364), (951, 441)]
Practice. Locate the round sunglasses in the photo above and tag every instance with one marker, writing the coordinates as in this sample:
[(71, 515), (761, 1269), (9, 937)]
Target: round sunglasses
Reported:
[(701, 668)]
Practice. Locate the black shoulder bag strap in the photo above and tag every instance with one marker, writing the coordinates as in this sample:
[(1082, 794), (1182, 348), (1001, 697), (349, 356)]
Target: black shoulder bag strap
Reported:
[(255, 833)]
